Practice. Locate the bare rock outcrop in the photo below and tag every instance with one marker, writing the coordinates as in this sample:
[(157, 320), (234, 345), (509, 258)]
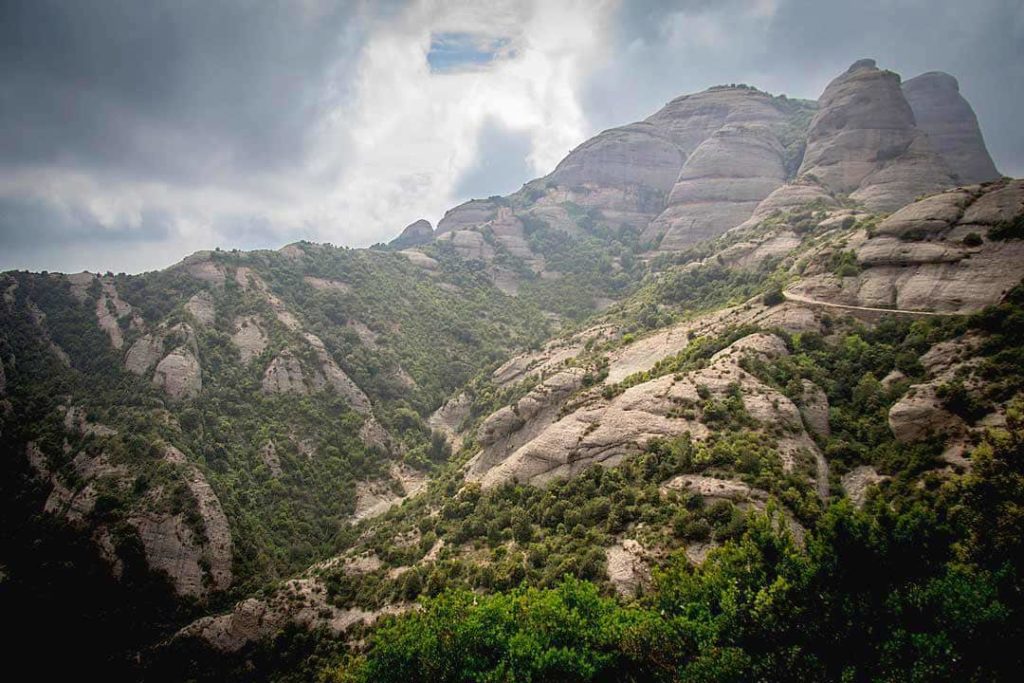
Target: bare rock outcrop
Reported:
[(858, 481), (541, 438), (249, 338), (285, 375), (144, 353), (627, 567), (414, 234), (814, 409), (863, 142), (948, 119), (721, 184), (179, 374), (202, 308), (302, 601), (110, 308), (471, 214), (919, 258)]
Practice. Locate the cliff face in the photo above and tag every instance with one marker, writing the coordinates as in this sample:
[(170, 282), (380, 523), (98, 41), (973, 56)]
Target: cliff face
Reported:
[(863, 142), (948, 119)]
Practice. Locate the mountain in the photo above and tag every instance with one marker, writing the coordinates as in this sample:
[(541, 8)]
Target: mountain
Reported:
[(734, 392)]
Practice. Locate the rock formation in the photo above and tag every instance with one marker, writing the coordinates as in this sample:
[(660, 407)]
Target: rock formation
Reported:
[(920, 257), (863, 142), (948, 119), (414, 234)]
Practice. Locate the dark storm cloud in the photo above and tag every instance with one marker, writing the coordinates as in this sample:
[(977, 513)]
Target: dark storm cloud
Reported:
[(501, 166), (182, 91), (664, 49)]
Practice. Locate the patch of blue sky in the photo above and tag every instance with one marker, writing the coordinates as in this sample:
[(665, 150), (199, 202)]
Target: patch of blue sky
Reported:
[(458, 51)]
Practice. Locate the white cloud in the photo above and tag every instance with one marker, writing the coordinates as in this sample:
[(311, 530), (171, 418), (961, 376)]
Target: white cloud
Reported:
[(387, 144)]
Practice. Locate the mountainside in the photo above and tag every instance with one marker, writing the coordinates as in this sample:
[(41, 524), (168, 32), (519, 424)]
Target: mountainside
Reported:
[(734, 393)]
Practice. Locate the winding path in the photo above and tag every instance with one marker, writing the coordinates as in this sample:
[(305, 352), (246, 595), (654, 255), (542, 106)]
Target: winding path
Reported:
[(799, 298)]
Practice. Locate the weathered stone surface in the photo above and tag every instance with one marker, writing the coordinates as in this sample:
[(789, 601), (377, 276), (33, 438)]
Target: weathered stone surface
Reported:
[(144, 353), (216, 547), (637, 154), (863, 142), (331, 375), (948, 119), (627, 567), (268, 455), (285, 375), (917, 260), (249, 338), (471, 214), (201, 266), (414, 234), (790, 197), (322, 284), (450, 417), (721, 184), (814, 409), (857, 482), (554, 442), (109, 309), (469, 244), (301, 601), (920, 414), (374, 498), (418, 258), (202, 308), (179, 374)]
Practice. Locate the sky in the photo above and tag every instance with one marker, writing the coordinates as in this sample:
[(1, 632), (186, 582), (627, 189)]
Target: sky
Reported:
[(135, 133)]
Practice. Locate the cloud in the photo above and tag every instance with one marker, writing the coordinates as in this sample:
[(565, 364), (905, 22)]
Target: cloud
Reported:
[(132, 134), (243, 125)]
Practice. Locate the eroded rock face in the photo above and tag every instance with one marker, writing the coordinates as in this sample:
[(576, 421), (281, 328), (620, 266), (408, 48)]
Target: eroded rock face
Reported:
[(863, 142), (110, 308), (173, 546), (471, 214), (540, 438), (918, 260), (179, 374), (721, 184), (948, 119), (202, 308), (858, 481), (301, 601), (144, 354), (414, 234), (285, 375), (196, 563), (814, 409), (638, 154), (249, 338), (627, 567)]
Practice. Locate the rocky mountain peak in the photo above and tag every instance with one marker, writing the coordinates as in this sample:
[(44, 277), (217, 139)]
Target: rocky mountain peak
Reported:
[(952, 127), (864, 142), (416, 233)]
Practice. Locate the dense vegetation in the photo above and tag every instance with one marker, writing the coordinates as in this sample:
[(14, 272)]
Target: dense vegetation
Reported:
[(925, 583)]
